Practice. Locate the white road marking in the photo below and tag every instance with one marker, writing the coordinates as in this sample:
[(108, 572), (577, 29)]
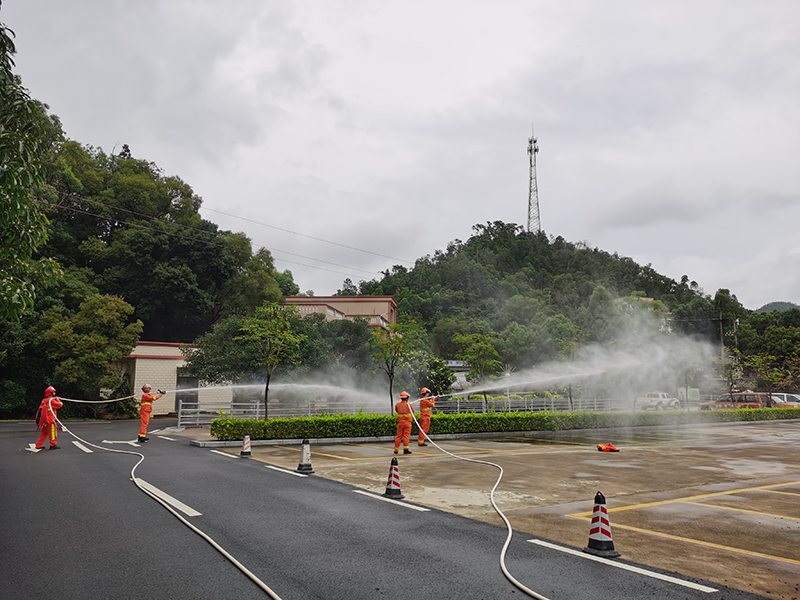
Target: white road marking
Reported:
[(82, 447), (392, 500), (163, 437), (221, 453), (285, 471), (653, 574), (187, 510), (130, 442), (33, 448)]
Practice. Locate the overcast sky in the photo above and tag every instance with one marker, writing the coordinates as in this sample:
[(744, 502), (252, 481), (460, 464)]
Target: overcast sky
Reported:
[(668, 131)]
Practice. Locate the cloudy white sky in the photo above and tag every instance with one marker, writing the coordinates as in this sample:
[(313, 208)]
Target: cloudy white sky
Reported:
[(668, 131)]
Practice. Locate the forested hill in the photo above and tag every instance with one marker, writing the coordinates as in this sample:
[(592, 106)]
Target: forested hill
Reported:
[(120, 226), (536, 293), (474, 279)]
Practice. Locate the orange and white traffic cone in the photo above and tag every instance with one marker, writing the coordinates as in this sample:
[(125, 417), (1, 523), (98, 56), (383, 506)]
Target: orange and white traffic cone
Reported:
[(600, 542), (245, 446), (305, 459), (393, 485)]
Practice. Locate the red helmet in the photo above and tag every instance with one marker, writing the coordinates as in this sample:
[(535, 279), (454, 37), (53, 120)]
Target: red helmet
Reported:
[(404, 395), (424, 391), (50, 391), (146, 387)]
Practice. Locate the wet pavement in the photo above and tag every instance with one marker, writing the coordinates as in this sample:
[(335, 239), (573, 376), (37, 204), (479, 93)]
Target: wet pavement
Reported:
[(719, 502)]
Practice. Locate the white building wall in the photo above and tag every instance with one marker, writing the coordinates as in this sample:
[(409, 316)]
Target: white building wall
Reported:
[(157, 364)]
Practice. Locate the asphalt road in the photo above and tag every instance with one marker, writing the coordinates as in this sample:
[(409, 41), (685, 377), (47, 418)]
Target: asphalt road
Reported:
[(73, 525)]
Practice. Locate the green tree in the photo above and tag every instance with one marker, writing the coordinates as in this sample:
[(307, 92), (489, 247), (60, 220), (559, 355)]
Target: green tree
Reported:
[(394, 348), (438, 376), (86, 345), (478, 350), (24, 143), (770, 370), (252, 283), (271, 333)]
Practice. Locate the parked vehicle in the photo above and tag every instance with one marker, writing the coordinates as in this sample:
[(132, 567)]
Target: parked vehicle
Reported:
[(788, 399), (747, 399), (660, 401)]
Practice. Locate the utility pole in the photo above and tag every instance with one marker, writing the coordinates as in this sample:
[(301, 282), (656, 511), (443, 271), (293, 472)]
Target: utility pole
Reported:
[(534, 223)]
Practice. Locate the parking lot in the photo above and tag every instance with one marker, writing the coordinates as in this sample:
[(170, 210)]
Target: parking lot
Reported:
[(718, 502)]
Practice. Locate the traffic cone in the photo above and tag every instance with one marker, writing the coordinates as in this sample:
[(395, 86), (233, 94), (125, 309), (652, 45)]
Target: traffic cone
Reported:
[(245, 446), (305, 459), (393, 485), (600, 542)]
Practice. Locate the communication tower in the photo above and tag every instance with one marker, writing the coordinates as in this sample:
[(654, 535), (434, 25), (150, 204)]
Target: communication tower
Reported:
[(534, 223)]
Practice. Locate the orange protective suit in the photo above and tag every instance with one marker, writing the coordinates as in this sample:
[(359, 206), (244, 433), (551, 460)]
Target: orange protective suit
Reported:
[(48, 424), (425, 406), (404, 420), (144, 412)]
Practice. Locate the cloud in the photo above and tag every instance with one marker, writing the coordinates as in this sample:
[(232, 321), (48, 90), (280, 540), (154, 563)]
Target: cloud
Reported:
[(667, 131)]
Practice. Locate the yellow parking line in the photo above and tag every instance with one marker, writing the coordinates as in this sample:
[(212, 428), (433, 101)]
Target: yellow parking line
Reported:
[(744, 510), (707, 544), (787, 493), (688, 498)]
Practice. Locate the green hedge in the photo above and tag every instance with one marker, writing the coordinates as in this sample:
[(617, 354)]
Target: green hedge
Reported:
[(364, 425)]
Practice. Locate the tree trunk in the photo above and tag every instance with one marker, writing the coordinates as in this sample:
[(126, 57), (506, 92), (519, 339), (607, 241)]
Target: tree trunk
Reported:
[(266, 399), (391, 393)]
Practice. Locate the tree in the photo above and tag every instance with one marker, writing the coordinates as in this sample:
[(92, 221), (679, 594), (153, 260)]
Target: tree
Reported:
[(348, 288), (770, 371), (270, 331), (23, 224), (478, 350), (438, 376), (252, 283), (394, 348), (86, 345)]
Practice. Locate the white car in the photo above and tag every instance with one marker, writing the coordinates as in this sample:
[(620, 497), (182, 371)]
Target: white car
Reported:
[(660, 401), (790, 399)]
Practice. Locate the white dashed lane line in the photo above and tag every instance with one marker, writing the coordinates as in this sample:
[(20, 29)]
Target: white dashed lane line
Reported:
[(224, 453), (82, 447), (174, 502), (618, 565)]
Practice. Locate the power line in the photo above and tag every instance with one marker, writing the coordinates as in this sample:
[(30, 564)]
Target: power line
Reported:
[(210, 242), (150, 217), (408, 262)]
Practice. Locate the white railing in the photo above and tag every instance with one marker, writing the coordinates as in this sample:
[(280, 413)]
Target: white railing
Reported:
[(200, 414)]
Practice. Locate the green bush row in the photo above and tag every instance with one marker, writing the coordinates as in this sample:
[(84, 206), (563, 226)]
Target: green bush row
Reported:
[(365, 425)]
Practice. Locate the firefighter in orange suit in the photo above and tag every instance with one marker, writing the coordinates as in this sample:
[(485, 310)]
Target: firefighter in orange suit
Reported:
[(47, 419), (404, 420), (426, 404), (145, 410)]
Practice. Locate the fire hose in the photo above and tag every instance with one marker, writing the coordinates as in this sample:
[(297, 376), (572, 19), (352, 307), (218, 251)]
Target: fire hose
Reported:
[(503, 568), (138, 484)]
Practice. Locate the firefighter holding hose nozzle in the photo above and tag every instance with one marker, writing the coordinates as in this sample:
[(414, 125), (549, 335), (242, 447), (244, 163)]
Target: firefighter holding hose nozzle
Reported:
[(425, 408), (145, 409), (46, 419), (404, 419)]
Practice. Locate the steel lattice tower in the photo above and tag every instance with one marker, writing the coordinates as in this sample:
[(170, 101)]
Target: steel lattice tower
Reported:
[(534, 223)]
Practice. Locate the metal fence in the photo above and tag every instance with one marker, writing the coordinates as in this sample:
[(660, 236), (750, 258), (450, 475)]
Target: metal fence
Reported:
[(199, 414)]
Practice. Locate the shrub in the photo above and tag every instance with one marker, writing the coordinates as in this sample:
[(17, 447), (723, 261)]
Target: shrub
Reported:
[(366, 425)]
